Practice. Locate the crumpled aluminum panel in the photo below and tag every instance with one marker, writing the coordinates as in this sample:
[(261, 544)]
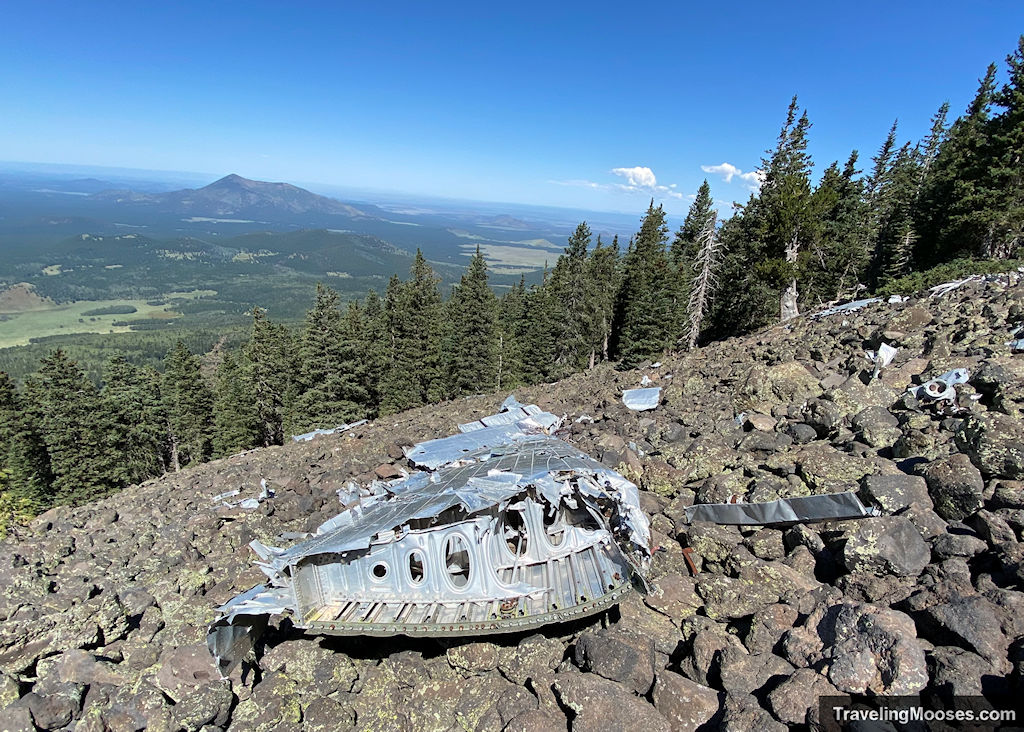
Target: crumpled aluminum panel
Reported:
[(508, 528), (641, 400), (825, 507)]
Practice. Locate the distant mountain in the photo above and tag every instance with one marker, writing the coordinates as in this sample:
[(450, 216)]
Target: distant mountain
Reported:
[(235, 197)]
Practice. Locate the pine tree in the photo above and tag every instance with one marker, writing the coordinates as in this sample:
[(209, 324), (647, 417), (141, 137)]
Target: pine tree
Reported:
[(569, 292), (511, 325), (234, 418), (537, 334), (413, 375), (602, 276), (473, 354), (25, 475), (1003, 216), (644, 309), (269, 365), (138, 435), (896, 236), (374, 347), (705, 280), (189, 406), (330, 385), (834, 265), (955, 191), (933, 143), (66, 407), (684, 246)]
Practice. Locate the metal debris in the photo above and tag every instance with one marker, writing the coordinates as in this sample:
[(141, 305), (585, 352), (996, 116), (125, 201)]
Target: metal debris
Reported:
[(306, 437), (942, 389), (1012, 278), (826, 507), (641, 400), (508, 528), (847, 307), (882, 358)]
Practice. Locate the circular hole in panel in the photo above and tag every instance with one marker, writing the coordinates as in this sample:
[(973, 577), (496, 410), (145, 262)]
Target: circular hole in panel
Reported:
[(379, 570)]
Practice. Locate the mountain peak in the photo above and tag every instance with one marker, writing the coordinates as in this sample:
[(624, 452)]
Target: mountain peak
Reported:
[(231, 179)]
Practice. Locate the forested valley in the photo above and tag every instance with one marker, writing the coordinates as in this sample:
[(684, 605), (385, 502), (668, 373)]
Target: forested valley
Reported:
[(915, 214)]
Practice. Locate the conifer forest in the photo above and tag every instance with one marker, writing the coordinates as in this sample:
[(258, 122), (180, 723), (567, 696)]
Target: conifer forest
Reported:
[(902, 217)]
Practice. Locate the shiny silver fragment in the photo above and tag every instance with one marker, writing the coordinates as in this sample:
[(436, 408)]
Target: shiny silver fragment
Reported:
[(307, 436), (803, 509), (882, 358), (506, 528), (846, 307), (941, 388), (641, 400)]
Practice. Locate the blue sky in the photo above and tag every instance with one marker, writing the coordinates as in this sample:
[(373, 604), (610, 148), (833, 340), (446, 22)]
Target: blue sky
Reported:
[(588, 105)]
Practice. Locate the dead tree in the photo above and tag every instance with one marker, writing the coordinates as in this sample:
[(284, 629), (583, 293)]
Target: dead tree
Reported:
[(787, 305), (704, 279)]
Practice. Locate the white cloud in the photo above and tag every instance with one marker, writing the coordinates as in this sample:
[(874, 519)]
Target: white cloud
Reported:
[(728, 171), (639, 176), (639, 179)]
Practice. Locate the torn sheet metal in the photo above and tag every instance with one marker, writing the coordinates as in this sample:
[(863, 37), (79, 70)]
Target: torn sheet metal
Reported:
[(826, 507), (882, 358), (846, 307), (641, 400), (507, 529), (307, 436)]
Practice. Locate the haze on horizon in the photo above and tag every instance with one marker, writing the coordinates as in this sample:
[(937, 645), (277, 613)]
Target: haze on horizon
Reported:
[(585, 106)]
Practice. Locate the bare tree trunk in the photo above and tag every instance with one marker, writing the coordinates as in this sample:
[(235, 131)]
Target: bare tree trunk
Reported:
[(704, 280), (175, 460), (593, 357), (787, 305), (604, 348), (501, 353)]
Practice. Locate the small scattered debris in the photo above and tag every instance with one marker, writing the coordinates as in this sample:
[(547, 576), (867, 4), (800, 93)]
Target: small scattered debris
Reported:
[(882, 358), (941, 390), (306, 437), (846, 307), (641, 400)]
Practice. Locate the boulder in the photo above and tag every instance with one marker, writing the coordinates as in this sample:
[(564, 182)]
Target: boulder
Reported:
[(618, 655), (745, 672), (743, 712), (795, 700), (784, 383), (971, 623), (877, 427), (956, 487), (995, 443), (184, 669), (895, 492), (599, 704), (885, 545), (473, 659), (767, 627), (686, 704), (871, 650)]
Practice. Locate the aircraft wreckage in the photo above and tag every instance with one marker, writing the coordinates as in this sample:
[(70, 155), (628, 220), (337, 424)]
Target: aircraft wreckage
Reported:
[(505, 528)]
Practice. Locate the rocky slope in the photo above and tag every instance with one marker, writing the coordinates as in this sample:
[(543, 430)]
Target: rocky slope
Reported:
[(103, 609)]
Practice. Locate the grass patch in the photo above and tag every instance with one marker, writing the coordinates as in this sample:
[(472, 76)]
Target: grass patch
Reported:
[(90, 316)]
